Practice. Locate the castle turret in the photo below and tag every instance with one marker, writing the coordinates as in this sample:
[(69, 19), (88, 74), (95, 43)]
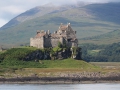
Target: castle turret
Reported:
[(68, 24), (48, 32)]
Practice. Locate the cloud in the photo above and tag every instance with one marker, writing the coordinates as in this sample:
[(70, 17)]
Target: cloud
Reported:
[(9, 12), (2, 22), (101, 1), (12, 9)]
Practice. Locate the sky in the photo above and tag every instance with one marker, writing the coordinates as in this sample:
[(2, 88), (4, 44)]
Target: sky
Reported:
[(11, 8)]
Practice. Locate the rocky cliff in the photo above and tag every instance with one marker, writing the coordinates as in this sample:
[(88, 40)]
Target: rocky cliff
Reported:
[(49, 53)]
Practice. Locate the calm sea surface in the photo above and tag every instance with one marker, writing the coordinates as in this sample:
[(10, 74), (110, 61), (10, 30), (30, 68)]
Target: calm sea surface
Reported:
[(103, 86)]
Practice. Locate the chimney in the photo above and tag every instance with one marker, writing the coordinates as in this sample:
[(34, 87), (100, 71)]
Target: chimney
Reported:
[(38, 31), (69, 24)]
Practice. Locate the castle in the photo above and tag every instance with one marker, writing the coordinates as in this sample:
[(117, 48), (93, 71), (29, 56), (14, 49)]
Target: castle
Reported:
[(64, 35)]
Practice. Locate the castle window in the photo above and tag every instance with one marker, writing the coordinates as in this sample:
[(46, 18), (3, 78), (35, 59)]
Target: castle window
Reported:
[(69, 40)]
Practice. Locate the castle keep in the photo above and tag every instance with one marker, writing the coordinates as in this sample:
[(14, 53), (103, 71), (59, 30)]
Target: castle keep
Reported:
[(64, 35)]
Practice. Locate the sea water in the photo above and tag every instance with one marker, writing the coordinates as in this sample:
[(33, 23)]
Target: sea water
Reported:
[(101, 86)]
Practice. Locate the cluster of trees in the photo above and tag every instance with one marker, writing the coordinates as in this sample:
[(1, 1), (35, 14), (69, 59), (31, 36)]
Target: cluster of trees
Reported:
[(107, 53)]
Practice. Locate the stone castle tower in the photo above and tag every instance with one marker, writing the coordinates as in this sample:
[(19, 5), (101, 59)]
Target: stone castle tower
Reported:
[(64, 34)]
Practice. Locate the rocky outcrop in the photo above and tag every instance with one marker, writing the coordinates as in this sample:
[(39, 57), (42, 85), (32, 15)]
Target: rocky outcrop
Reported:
[(37, 55), (47, 55)]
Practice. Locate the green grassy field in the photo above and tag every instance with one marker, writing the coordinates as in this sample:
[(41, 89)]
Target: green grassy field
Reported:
[(67, 63), (56, 67), (61, 67), (51, 68)]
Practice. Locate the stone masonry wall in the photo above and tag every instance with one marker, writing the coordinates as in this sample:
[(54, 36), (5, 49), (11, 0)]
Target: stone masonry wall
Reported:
[(55, 41), (47, 42), (37, 42)]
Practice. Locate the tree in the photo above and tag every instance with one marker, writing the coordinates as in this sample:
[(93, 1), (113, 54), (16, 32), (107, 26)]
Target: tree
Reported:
[(59, 44)]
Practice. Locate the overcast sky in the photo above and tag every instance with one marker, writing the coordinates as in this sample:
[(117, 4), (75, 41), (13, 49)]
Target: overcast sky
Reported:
[(11, 8)]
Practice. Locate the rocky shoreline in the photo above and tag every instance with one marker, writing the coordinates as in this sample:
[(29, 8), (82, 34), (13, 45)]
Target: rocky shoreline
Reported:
[(61, 80), (63, 77)]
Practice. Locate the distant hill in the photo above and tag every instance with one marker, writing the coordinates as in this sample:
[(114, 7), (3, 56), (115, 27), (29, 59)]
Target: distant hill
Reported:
[(108, 38), (38, 12), (87, 20), (105, 12)]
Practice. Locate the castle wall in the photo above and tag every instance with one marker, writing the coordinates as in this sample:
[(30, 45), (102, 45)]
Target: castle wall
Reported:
[(74, 44), (37, 42), (55, 41), (71, 34), (61, 40), (47, 42), (69, 44)]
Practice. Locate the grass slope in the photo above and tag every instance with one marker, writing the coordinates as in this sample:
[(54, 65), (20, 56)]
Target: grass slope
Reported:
[(106, 12), (67, 63), (108, 38), (48, 68), (14, 58)]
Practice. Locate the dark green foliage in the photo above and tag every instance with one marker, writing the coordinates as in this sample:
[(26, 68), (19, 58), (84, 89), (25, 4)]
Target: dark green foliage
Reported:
[(21, 64), (112, 52), (76, 50), (57, 49), (59, 44), (16, 53), (15, 58), (108, 53)]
